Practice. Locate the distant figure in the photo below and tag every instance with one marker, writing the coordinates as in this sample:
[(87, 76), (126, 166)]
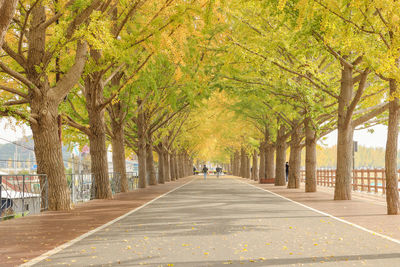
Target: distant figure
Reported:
[(218, 171), (194, 170), (205, 170), (287, 170)]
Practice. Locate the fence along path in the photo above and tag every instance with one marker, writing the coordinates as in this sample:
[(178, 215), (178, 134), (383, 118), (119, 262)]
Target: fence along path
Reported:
[(369, 180)]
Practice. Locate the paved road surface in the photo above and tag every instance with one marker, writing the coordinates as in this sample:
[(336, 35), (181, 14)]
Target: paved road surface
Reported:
[(227, 222)]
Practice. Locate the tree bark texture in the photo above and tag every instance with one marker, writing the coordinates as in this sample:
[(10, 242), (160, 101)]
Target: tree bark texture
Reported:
[(160, 166), (180, 166), (248, 167), (7, 11), (49, 156), (261, 173), (345, 138), (392, 193), (141, 149), (255, 165), (118, 153), (172, 167), (295, 159), (243, 163), (311, 157), (280, 173), (150, 164), (167, 171), (98, 151), (269, 161), (176, 166)]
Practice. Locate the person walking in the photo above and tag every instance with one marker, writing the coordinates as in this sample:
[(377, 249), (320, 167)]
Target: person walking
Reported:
[(194, 170), (205, 170), (218, 171), (287, 170)]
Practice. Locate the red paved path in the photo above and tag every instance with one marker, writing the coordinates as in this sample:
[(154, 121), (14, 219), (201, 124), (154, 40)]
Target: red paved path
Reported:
[(26, 238)]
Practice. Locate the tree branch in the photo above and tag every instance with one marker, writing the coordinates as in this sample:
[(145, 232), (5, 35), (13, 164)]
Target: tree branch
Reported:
[(366, 117), (357, 97), (14, 91), (73, 75)]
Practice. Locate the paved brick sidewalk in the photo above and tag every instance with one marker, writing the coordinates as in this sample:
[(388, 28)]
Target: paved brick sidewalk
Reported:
[(364, 211), (26, 238)]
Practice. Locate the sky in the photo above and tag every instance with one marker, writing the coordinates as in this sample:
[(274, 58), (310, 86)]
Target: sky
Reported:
[(11, 132)]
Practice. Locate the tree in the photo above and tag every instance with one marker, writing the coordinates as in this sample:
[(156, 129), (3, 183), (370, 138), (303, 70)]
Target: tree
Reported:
[(41, 85)]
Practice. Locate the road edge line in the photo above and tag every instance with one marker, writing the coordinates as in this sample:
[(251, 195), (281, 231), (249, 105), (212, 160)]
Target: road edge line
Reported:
[(79, 238), (329, 215)]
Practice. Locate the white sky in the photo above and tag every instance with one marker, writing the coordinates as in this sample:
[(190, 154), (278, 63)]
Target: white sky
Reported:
[(364, 138)]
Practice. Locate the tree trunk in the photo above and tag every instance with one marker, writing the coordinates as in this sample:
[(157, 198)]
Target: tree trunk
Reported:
[(269, 161), (180, 168), (98, 153), (280, 173), (295, 159), (345, 138), (167, 171), (176, 166), (118, 154), (242, 163), (230, 167), (261, 173), (172, 167), (150, 164), (141, 147), (311, 157), (255, 165), (392, 193), (248, 167), (161, 164), (49, 156), (7, 11)]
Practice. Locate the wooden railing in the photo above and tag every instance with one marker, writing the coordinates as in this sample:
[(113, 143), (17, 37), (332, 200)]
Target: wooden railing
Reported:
[(370, 180)]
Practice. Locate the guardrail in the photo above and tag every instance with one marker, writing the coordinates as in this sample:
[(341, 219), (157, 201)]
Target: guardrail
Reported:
[(80, 185), (22, 195), (369, 180)]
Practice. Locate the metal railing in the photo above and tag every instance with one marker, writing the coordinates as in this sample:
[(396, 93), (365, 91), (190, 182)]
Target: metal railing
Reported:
[(133, 180), (363, 180), (21, 195), (81, 190), (80, 186)]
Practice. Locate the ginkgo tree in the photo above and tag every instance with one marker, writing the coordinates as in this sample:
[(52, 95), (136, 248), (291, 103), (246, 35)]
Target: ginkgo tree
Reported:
[(37, 76), (369, 30)]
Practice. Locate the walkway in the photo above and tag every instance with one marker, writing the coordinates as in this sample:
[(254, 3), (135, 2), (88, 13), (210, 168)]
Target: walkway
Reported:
[(227, 221), (26, 238)]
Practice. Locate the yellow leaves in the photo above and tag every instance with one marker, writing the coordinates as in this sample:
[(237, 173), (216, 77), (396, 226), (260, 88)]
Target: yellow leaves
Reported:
[(282, 4)]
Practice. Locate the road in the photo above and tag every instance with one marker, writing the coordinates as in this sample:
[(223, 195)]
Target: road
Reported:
[(227, 222)]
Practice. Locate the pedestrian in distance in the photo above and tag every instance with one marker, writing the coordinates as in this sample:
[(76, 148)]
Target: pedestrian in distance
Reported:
[(194, 170), (205, 170), (287, 170), (218, 171)]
